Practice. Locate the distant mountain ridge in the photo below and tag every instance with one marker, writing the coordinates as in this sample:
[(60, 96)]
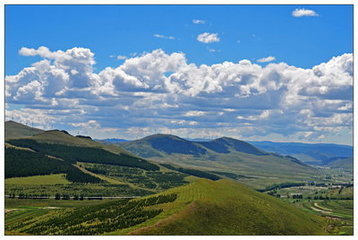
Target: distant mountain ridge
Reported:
[(311, 153), (224, 154), (159, 144)]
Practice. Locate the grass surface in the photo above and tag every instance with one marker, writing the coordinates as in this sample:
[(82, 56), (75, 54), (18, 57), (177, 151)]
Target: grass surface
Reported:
[(39, 180), (223, 208), (16, 130)]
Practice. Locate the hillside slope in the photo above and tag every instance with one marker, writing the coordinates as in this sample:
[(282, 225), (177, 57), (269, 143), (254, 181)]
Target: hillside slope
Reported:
[(72, 149), (203, 207), (18, 130), (225, 155), (226, 207)]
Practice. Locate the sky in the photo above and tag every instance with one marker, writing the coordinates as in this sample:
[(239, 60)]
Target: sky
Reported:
[(253, 72)]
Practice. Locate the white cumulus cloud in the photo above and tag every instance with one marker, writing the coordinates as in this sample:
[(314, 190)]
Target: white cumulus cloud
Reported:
[(160, 89), (208, 37)]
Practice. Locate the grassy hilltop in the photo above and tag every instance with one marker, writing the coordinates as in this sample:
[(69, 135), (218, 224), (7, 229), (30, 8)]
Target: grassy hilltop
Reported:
[(204, 207)]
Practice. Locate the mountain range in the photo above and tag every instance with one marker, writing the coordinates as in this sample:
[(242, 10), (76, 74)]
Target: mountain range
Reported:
[(316, 154), (226, 155)]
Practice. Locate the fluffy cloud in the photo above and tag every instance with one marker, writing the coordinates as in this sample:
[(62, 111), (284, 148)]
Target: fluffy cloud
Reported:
[(208, 37), (58, 73), (159, 90), (304, 12)]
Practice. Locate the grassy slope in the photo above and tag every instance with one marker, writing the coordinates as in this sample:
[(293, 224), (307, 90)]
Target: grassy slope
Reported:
[(225, 207), (17, 130), (39, 180), (58, 137), (341, 211), (266, 170)]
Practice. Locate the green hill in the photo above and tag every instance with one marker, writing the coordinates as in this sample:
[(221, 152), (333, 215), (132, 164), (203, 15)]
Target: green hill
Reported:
[(18, 130), (162, 144), (203, 207), (159, 145), (227, 145), (228, 208), (64, 138), (230, 156)]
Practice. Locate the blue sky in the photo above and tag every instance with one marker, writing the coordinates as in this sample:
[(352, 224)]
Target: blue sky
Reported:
[(188, 64)]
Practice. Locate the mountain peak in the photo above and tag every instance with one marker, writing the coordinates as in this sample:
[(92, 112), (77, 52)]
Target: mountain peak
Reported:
[(171, 144), (162, 135)]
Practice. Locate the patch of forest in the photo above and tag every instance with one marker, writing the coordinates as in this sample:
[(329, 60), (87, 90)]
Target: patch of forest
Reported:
[(23, 163), (75, 154)]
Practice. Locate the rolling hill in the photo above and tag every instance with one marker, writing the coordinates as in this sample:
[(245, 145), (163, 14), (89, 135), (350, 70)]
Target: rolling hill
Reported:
[(225, 155), (203, 207), (163, 144), (18, 130)]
